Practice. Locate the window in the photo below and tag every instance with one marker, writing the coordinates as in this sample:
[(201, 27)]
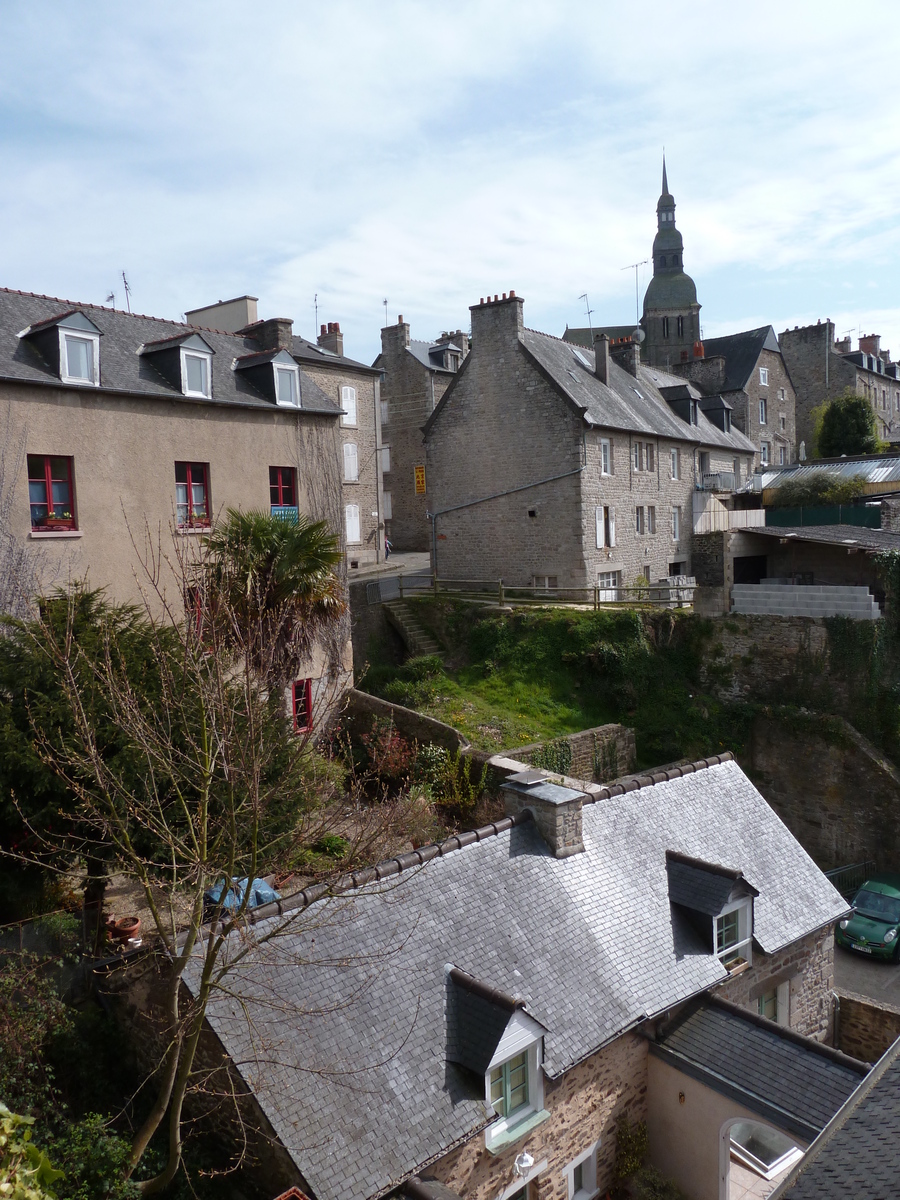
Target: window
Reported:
[(637, 456), (651, 518), (385, 459), (763, 412), (639, 519), (763, 376), (736, 467), (775, 1003), (545, 582), (351, 522), (764, 453), (608, 585), (348, 404), (301, 704), (581, 1175), (782, 455), (695, 411), (733, 933), (384, 412), (282, 487), (676, 462), (192, 494), (680, 319), (605, 520), (195, 374), (50, 492), (605, 457), (388, 510), (287, 386), (79, 359), (351, 463), (509, 1085), (781, 394), (650, 456), (665, 321), (782, 421), (676, 523)]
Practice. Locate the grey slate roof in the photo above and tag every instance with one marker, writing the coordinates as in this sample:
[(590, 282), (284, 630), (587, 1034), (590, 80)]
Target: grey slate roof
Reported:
[(629, 403), (589, 943), (858, 1153), (585, 336), (741, 352), (122, 368), (422, 352), (833, 535), (700, 886), (792, 1081)]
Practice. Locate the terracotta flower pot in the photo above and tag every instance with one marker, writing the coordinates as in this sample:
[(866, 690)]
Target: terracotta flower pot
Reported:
[(128, 927)]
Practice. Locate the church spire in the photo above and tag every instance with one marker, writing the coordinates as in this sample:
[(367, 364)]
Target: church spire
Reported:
[(665, 183)]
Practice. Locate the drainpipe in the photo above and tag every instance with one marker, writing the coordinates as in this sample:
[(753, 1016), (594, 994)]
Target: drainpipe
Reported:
[(432, 517)]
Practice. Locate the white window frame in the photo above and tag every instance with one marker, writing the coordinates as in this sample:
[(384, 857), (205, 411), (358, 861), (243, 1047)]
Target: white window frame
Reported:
[(676, 462), (204, 358), (294, 373), (348, 404), (637, 457), (763, 411), (587, 1160), (81, 335), (387, 506), (385, 412), (763, 376), (354, 510), (764, 453), (522, 1036), (385, 459), (651, 518), (782, 1002), (743, 946), (351, 462), (676, 522), (605, 457), (607, 585), (640, 520)]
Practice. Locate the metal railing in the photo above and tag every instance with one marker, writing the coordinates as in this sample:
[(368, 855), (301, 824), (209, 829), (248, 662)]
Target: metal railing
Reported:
[(717, 481), (848, 880), (673, 593)]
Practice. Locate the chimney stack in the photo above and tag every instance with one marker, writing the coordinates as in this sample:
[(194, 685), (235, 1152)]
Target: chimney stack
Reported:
[(331, 338), (495, 322), (627, 353), (275, 334), (227, 316), (870, 343), (601, 357), (557, 810)]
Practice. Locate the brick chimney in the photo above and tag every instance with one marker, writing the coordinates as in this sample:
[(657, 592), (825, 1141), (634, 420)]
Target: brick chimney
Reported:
[(331, 338), (601, 357), (275, 334), (627, 353), (870, 343), (497, 321), (557, 810)]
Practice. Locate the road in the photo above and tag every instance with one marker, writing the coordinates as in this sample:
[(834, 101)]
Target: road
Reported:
[(867, 977)]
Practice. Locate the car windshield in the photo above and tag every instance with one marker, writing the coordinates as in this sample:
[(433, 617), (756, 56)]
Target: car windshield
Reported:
[(873, 904)]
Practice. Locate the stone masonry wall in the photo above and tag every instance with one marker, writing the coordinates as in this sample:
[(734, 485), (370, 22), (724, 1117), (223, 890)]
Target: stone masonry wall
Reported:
[(806, 352), (866, 1029), (600, 754), (363, 711), (584, 1105), (809, 965)]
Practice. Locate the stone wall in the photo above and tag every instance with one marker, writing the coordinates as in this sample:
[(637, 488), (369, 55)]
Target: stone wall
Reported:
[(363, 711), (599, 755), (370, 630), (750, 656), (834, 790), (584, 1105), (809, 966), (865, 1029)]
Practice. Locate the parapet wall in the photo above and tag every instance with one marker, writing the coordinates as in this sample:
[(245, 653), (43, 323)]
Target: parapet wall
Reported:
[(865, 1029)]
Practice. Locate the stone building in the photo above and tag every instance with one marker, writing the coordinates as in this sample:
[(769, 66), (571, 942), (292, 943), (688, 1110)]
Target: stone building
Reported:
[(748, 372), (126, 435), (821, 368), (552, 466), (658, 949), (414, 377)]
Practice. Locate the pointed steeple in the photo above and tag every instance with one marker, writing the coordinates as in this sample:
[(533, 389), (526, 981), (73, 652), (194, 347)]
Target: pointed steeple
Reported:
[(665, 183)]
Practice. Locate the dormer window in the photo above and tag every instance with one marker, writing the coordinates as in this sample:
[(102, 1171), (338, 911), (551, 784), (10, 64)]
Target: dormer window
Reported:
[(287, 386), (734, 927), (78, 357), (717, 902), (71, 344), (184, 361), (195, 373)]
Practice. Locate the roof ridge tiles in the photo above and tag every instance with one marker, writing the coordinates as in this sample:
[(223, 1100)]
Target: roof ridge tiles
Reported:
[(636, 782)]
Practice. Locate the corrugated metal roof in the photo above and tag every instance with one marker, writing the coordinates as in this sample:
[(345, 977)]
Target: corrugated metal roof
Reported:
[(879, 469)]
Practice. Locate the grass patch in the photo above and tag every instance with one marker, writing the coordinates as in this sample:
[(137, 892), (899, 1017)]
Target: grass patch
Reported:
[(538, 674)]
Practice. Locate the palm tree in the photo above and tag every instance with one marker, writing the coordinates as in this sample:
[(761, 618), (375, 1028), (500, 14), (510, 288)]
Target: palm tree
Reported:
[(268, 586)]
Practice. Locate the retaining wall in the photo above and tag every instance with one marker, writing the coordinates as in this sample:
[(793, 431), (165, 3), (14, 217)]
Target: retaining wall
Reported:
[(865, 1029), (600, 754)]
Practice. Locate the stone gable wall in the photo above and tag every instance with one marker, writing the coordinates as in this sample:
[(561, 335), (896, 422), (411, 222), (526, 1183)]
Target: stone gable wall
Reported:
[(584, 1104), (866, 1029)]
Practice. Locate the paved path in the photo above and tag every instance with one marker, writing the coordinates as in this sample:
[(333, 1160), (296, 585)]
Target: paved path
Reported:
[(408, 563), (867, 977)]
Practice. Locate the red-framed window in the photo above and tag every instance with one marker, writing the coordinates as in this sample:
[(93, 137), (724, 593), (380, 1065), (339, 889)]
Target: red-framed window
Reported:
[(192, 493), (301, 704), (282, 487), (51, 493)]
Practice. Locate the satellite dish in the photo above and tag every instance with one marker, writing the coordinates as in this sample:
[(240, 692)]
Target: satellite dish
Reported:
[(638, 335)]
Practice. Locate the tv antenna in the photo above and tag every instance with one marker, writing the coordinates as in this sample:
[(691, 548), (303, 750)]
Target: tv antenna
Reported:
[(127, 291), (589, 311), (385, 303), (111, 299), (635, 267)]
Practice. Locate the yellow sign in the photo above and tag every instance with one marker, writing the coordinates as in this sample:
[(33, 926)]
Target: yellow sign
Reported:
[(420, 481)]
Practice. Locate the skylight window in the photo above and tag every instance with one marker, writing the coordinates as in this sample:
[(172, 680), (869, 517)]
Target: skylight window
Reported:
[(584, 362)]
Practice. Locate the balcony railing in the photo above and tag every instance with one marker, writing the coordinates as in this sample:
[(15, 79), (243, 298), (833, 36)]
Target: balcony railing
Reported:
[(720, 520), (717, 481)]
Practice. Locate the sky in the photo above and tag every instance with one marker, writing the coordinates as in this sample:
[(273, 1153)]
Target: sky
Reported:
[(330, 157)]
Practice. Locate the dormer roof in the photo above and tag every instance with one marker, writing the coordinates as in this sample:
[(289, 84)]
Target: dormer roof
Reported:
[(702, 886), (478, 1018)]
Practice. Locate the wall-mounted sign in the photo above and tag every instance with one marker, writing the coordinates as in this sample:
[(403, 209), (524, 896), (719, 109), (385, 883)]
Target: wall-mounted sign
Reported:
[(420, 481)]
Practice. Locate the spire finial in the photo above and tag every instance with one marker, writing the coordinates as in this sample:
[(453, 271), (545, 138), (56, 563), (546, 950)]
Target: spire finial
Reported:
[(665, 182)]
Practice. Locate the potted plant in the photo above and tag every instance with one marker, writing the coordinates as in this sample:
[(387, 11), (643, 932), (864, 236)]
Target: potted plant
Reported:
[(58, 520)]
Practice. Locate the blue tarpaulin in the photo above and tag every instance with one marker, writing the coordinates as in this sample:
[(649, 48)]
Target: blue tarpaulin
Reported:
[(260, 893)]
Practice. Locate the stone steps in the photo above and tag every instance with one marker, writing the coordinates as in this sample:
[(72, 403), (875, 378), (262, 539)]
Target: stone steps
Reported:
[(417, 640), (798, 600)]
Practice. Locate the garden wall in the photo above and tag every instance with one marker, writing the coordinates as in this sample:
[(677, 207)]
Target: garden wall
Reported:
[(598, 755), (363, 712), (865, 1029)]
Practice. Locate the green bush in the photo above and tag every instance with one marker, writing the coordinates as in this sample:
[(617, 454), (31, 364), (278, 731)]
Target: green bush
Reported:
[(819, 488), (847, 426)]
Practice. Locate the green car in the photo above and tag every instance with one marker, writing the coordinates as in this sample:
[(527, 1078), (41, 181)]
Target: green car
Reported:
[(874, 925)]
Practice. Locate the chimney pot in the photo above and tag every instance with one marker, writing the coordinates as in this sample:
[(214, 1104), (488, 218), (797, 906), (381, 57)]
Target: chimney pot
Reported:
[(512, 294), (504, 295), (400, 319), (495, 296), (322, 329)]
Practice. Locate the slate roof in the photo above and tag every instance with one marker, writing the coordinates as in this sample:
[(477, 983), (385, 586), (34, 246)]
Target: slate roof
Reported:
[(793, 1081), (585, 336), (590, 944), (628, 403), (703, 887), (123, 369), (423, 350), (741, 352), (858, 1153), (846, 536)]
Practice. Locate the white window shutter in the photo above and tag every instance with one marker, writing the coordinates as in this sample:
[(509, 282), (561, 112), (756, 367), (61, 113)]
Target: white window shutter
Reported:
[(348, 403), (351, 462), (351, 520), (783, 1005), (598, 518), (612, 527), (388, 506)]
